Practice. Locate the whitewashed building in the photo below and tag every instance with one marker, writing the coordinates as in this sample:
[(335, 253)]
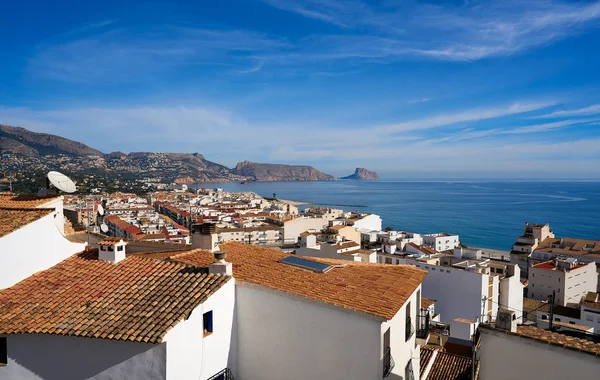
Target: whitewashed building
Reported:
[(511, 352), (442, 241), (569, 279), (31, 237), (113, 317)]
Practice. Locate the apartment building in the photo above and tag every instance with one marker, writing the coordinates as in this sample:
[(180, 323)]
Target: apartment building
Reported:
[(342, 250), (569, 279), (468, 287), (442, 241), (583, 317), (533, 235)]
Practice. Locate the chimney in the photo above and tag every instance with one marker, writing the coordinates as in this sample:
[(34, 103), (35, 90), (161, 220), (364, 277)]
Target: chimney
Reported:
[(220, 266), (204, 236), (506, 320), (112, 250)]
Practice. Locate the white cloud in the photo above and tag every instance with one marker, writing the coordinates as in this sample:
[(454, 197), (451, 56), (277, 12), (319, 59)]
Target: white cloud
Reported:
[(594, 109), (445, 31)]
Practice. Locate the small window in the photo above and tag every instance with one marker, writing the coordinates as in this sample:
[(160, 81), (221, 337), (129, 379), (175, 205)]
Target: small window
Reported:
[(207, 322), (119, 248), (571, 322), (544, 317), (557, 319), (3, 352)]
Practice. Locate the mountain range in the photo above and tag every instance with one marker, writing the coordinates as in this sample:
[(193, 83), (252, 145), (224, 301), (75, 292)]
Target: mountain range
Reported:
[(170, 166)]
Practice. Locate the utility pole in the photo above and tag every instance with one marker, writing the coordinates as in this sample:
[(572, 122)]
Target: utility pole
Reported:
[(551, 323), (483, 308)]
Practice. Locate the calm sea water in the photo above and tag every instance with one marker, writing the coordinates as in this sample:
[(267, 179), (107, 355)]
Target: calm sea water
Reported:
[(484, 214)]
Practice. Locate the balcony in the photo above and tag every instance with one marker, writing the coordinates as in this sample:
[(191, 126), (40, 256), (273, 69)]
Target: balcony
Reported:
[(388, 362), (423, 324), (409, 329)]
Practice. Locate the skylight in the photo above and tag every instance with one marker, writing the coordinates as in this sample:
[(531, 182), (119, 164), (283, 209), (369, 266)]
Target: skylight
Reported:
[(306, 264)]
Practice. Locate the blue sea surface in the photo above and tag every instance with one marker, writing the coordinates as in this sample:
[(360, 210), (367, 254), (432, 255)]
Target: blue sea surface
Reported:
[(484, 214)]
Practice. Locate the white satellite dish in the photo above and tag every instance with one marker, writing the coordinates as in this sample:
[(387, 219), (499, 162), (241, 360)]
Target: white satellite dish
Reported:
[(61, 182), (104, 227), (100, 210)]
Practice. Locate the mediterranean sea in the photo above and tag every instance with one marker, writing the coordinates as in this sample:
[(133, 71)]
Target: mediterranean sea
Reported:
[(484, 214)]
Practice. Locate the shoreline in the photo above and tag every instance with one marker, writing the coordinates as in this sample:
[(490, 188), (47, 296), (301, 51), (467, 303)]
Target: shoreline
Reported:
[(293, 203)]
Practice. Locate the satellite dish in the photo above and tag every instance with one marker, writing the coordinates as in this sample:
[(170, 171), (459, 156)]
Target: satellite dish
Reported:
[(100, 210), (104, 227), (61, 182)]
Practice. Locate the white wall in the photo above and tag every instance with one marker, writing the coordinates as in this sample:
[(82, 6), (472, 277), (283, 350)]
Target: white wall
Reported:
[(189, 355), (281, 336), (458, 293), (511, 292), (369, 222), (507, 357), (53, 357), (293, 228), (32, 248)]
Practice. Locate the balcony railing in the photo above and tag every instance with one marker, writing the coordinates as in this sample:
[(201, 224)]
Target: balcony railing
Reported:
[(388, 362), (423, 324), (223, 375), (409, 328)]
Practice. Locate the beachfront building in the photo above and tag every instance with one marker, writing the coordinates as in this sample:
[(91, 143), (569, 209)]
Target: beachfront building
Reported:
[(326, 213), (442, 241), (30, 238), (511, 352), (566, 277), (292, 228), (533, 235)]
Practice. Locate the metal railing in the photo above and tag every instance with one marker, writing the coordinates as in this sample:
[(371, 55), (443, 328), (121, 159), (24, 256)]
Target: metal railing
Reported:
[(409, 328), (388, 362), (423, 324), (223, 375)]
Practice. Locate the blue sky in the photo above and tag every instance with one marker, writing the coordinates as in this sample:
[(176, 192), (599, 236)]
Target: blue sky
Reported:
[(408, 88)]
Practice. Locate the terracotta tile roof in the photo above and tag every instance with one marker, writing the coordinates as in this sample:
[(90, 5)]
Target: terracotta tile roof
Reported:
[(592, 300), (572, 326), (136, 299), (375, 289), (348, 244), (463, 320), (553, 338), (111, 241), (24, 200), (424, 358), (447, 366), (426, 302), (13, 219), (569, 246)]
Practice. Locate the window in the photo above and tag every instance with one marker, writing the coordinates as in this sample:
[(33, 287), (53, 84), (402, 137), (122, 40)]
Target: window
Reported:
[(557, 319), (119, 248), (3, 352), (544, 317), (207, 322), (571, 322), (388, 260)]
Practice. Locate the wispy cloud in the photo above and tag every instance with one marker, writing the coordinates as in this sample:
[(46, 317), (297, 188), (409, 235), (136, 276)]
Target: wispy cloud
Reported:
[(466, 32), (470, 115), (586, 111), (422, 100), (125, 54)]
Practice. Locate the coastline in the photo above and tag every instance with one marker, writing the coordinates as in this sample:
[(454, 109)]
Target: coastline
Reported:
[(293, 203)]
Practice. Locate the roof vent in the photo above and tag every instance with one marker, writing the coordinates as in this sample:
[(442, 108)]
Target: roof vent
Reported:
[(220, 266), (506, 320)]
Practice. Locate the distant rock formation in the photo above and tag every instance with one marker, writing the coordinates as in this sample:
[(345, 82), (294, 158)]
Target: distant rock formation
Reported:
[(362, 174), (184, 180), (279, 172)]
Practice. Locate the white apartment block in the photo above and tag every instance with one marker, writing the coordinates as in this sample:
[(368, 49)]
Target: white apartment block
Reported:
[(442, 241), (470, 288), (569, 279)]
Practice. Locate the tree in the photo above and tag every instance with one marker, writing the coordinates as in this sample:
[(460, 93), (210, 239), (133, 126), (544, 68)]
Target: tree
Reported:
[(388, 229), (274, 195)]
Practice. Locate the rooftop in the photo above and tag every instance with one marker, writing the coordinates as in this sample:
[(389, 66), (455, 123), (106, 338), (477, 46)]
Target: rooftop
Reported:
[(445, 366), (14, 219), (572, 326), (592, 300), (552, 338), (375, 289), (569, 246), (24, 200), (136, 299), (554, 266), (426, 302)]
